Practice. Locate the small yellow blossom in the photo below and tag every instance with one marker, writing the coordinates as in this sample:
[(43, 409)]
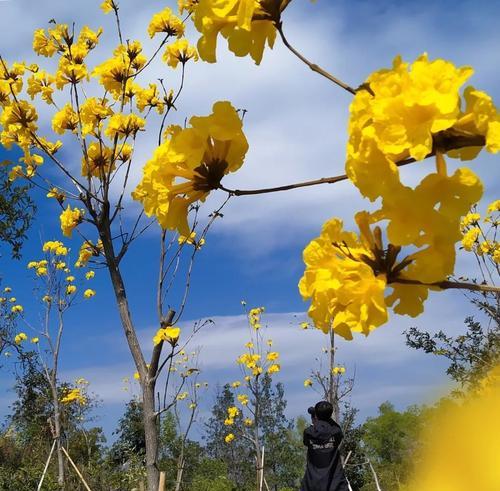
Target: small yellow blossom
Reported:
[(70, 218), (35, 340), (19, 338), (89, 275), (243, 399), (248, 422), (16, 309), (88, 293), (274, 368), (272, 356), (229, 438), (107, 6), (236, 384), (56, 194), (169, 334), (182, 396), (308, 382), (179, 51), (165, 21), (74, 395), (70, 289)]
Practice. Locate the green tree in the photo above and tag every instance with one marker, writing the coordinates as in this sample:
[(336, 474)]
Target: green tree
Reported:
[(390, 441), (470, 355), (238, 456), (16, 212)]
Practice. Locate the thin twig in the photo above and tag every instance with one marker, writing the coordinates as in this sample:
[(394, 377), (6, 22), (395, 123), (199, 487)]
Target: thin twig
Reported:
[(445, 141), (313, 66)]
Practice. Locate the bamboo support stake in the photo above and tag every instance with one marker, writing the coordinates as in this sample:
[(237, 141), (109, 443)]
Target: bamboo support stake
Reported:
[(163, 478), (262, 469), (343, 465), (76, 469), (46, 466), (374, 476)]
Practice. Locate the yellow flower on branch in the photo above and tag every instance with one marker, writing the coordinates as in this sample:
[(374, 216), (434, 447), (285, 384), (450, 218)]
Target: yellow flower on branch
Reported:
[(108, 6), (243, 399), (65, 119), (169, 334), (229, 438), (89, 293), (17, 309), (93, 112), (74, 396), (200, 155), (149, 98), (347, 295), (272, 356), (124, 125), (308, 382), (179, 51), (70, 218), (19, 338), (41, 82), (70, 289), (246, 24), (166, 22)]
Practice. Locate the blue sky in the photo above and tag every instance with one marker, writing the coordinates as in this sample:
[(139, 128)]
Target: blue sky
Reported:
[(296, 128)]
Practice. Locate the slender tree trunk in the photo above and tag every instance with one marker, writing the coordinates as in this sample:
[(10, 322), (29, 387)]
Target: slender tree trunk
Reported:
[(57, 430), (148, 386), (332, 395), (180, 471), (151, 436)]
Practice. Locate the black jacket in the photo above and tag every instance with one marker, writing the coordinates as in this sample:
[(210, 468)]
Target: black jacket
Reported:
[(324, 471)]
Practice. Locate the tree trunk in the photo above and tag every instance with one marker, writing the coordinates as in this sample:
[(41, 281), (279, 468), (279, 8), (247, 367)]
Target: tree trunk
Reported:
[(152, 436), (332, 395), (57, 430), (148, 387)]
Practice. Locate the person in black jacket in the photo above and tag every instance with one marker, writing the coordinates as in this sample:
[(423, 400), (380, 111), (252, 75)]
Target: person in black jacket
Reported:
[(324, 470)]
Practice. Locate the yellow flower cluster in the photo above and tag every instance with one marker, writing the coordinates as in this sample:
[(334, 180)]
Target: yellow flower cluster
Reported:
[(347, 295), (179, 51), (55, 247), (229, 438), (245, 24), (232, 412), (480, 235), (169, 334), (116, 73), (338, 370), (166, 22), (200, 155), (19, 338), (407, 112), (70, 218), (74, 396), (87, 250)]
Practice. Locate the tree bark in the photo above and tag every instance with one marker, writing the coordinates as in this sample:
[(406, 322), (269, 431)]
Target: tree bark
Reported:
[(57, 431), (147, 383), (151, 435)]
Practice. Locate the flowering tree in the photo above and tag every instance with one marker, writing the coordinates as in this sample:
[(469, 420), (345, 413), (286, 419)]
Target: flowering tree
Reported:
[(399, 116), (104, 129), (258, 364), (57, 291)]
